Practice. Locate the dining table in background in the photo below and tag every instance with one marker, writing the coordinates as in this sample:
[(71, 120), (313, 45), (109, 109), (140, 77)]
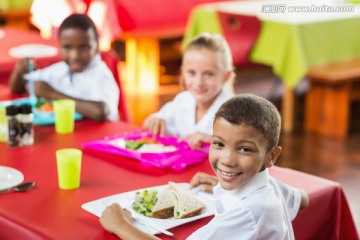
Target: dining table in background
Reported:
[(48, 212), (293, 37)]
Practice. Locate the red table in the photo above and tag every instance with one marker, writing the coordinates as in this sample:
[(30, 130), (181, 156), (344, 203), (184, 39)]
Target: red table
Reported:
[(48, 212)]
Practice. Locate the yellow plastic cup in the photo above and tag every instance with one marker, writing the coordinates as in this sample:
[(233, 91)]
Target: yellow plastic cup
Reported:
[(69, 167), (64, 110)]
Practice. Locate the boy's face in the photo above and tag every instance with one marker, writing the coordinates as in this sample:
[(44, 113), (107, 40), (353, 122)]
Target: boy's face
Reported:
[(77, 48), (238, 153), (202, 76)]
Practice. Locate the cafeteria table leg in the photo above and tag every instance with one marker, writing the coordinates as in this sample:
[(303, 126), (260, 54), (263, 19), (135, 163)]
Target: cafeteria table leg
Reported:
[(287, 112)]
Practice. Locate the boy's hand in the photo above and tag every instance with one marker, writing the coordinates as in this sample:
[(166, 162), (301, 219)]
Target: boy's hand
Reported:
[(197, 139), (22, 66), (155, 126), (208, 181), (114, 217), (17, 83)]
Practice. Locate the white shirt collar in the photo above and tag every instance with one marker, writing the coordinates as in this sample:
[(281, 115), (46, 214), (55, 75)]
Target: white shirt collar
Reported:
[(225, 200), (96, 59)]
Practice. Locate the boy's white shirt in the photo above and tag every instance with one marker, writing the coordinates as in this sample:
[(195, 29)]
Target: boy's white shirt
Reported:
[(179, 114), (262, 209), (95, 83)]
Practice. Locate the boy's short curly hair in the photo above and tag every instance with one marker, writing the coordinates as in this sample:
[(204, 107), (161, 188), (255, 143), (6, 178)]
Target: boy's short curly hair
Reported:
[(252, 110), (80, 21)]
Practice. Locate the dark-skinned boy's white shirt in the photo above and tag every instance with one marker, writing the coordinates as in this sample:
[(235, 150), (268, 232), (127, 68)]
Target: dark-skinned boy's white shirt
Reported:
[(95, 83), (261, 209)]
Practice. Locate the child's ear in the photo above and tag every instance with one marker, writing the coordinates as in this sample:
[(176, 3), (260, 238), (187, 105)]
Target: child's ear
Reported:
[(228, 76), (228, 81), (182, 83), (273, 155)]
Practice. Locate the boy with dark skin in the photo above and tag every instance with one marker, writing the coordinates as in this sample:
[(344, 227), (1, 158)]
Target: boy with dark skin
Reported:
[(81, 76)]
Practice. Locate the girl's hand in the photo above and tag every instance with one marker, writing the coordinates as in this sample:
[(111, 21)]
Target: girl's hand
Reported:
[(114, 218), (155, 126), (196, 140), (208, 181)]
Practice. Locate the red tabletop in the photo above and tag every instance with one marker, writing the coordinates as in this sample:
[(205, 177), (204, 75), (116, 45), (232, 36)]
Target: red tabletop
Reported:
[(48, 212)]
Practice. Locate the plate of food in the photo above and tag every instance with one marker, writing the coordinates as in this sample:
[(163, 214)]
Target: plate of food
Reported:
[(159, 151), (166, 206)]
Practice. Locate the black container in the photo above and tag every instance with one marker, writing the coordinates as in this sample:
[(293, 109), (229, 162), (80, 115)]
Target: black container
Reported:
[(26, 125), (13, 126)]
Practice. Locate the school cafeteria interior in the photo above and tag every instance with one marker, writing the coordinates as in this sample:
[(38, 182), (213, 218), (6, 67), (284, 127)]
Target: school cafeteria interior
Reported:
[(303, 56)]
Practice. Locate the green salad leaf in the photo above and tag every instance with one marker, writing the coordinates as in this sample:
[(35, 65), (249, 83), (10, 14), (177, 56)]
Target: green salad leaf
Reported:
[(145, 201), (133, 144)]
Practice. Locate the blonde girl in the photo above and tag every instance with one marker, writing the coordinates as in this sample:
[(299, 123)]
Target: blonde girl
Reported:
[(206, 67)]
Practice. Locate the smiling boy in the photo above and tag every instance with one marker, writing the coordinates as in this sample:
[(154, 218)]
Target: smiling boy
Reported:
[(250, 204)]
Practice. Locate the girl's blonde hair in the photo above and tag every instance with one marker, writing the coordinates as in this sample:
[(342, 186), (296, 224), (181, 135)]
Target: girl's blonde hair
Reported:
[(216, 43)]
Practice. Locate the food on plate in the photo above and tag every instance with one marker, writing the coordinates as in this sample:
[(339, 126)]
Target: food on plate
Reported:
[(44, 106), (174, 201), (164, 207), (186, 204), (145, 145), (145, 201), (148, 140), (156, 148), (133, 144)]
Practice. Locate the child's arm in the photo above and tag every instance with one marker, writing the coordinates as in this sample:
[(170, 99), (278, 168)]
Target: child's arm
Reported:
[(17, 81), (304, 199), (197, 139), (208, 181), (118, 221), (96, 111)]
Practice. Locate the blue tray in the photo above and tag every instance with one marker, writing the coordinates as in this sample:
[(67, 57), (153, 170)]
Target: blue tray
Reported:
[(40, 118)]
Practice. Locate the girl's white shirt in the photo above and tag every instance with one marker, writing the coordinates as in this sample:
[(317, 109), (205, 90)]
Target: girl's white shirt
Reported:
[(95, 83), (179, 114)]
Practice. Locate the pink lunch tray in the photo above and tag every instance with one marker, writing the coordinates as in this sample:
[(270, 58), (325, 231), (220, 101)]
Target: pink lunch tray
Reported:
[(176, 160)]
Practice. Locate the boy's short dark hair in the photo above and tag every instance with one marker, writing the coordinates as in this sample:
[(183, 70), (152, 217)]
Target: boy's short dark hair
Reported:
[(255, 111), (80, 21)]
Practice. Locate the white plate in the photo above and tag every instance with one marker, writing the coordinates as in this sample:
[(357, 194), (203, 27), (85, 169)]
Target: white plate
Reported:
[(124, 199), (33, 50), (9, 177)]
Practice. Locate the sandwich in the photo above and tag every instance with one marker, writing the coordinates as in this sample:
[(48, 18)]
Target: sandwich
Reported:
[(186, 204), (164, 207), (176, 202)]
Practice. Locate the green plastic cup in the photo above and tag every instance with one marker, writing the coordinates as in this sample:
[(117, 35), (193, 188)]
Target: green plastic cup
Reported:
[(64, 110), (69, 167)]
